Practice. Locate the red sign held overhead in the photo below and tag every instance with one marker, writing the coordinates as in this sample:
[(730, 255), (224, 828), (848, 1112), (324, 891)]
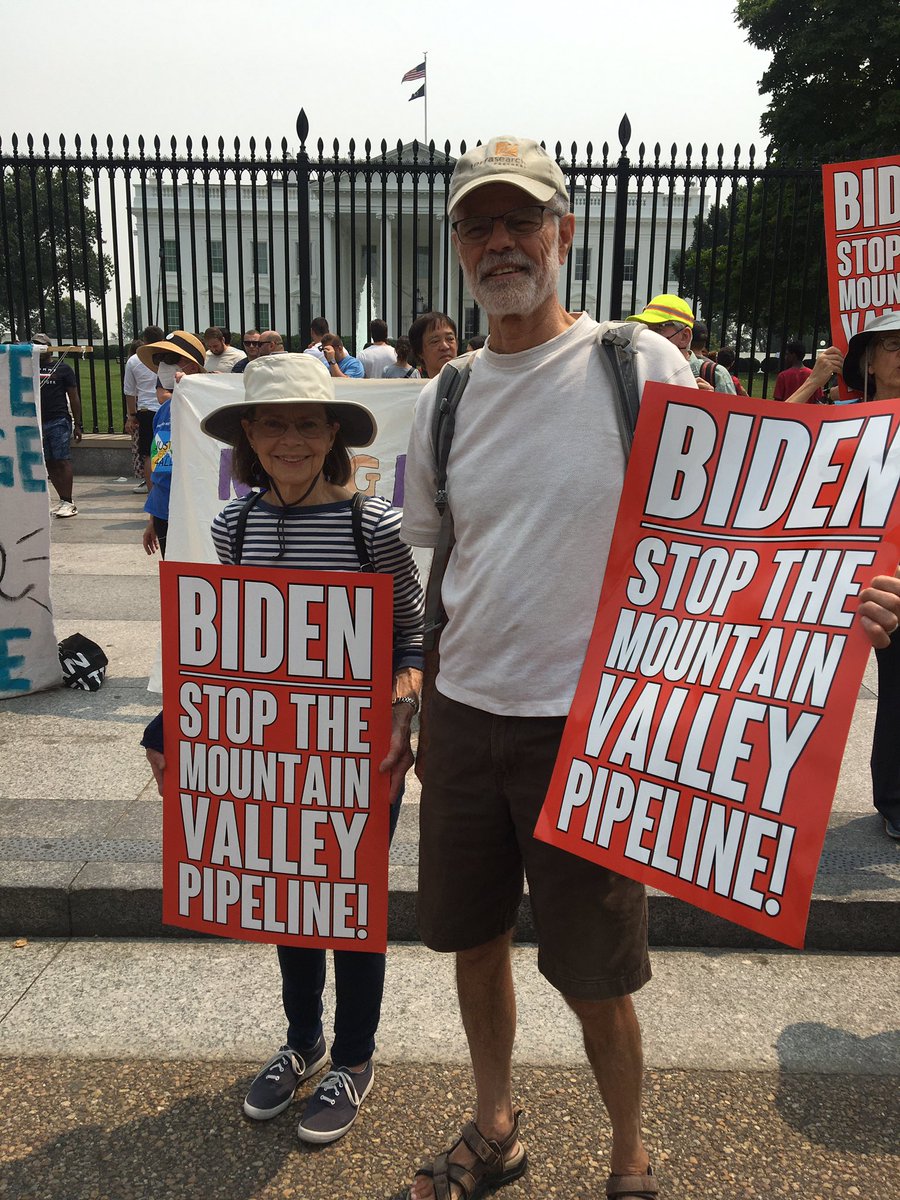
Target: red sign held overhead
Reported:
[(862, 244), (704, 743), (277, 713)]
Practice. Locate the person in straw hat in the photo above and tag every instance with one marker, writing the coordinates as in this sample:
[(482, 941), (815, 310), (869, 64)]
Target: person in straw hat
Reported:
[(291, 440)]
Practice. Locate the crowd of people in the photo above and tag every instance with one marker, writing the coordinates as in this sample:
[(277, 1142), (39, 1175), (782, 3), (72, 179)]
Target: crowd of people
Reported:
[(496, 690)]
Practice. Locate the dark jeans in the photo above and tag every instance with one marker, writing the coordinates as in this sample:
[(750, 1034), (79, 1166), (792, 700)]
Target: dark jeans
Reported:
[(358, 989), (886, 741)]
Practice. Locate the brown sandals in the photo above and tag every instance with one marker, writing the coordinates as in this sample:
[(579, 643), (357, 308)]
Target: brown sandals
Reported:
[(492, 1169), (632, 1187)]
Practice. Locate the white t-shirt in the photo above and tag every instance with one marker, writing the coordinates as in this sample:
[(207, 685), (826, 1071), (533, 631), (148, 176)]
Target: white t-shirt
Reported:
[(221, 364), (534, 477), (140, 381), (375, 358)]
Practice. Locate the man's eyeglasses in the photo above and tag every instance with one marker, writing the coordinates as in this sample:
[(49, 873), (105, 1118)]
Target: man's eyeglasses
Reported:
[(251, 344), (519, 223), (890, 342), (274, 427)]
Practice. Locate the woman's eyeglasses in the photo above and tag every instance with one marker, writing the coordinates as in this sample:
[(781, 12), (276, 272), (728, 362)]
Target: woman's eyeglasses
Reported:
[(276, 427)]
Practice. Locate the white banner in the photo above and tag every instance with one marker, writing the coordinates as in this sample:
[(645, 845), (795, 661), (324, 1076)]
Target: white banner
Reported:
[(201, 467), (29, 655)]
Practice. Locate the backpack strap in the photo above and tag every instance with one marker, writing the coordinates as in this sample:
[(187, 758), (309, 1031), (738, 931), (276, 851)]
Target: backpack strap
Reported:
[(452, 383), (240, 531), (357, 504), (708, 372), (617, 351)]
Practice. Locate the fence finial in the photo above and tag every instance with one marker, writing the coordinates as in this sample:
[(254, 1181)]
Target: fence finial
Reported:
[(624, 133), (302, 126)]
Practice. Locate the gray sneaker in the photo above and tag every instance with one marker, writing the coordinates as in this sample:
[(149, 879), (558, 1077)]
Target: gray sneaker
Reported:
[(333, 1106), (273, 1088)]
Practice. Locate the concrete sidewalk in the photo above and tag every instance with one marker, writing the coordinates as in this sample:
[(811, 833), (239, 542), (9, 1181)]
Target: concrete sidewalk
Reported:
[(80, 850)]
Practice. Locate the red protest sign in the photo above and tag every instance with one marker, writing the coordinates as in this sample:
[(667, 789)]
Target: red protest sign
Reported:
[(862, 244), (705, 739), (277, 713)]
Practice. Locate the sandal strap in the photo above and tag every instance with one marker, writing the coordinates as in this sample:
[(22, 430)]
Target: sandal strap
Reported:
[(490, 1155), (637, 1187)]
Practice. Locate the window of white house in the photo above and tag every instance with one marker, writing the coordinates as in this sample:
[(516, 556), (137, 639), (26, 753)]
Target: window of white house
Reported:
[(261, 258), (217, 313), (262, 316), (173, 315), (582, 262), (628, 264), (470, 321), (216, 258), (170, 254)]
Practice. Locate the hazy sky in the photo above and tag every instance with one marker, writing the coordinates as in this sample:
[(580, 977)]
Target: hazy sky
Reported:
[(557, 72)]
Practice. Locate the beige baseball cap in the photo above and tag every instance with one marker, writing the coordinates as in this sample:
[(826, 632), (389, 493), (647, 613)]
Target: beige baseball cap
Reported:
[(519, 161)]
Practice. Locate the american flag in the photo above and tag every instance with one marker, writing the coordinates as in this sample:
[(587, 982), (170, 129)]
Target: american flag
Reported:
[(416, 73)]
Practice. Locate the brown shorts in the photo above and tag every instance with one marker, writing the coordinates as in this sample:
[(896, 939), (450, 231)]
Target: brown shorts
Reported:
[(485, 781)]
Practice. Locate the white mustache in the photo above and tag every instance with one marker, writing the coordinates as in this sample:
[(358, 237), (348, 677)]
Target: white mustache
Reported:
[(512, 259)]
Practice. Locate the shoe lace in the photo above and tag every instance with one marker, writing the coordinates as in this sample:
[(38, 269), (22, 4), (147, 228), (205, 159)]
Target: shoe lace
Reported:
[(334, 1081), (280, 1063)]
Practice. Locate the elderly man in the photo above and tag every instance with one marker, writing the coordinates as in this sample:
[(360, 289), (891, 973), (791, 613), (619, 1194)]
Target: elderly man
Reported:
[(510, 658)]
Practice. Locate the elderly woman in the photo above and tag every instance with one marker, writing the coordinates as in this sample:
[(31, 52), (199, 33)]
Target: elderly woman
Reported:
[(290, 442), (433, 339), (179, 353), (872, 366)]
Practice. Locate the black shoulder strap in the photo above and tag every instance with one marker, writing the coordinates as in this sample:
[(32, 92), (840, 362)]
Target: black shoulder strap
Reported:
[(451, 384), (618, 353), (237, 550), (357, 505)]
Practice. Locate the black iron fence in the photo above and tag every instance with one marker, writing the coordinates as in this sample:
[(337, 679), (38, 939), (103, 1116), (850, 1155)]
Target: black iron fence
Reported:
[(97, 243)]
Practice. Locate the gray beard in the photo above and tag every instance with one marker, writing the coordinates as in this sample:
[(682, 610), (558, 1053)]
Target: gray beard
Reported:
[(501, 296)]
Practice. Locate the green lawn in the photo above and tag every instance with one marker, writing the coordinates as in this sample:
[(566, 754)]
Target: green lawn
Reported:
[(96, 404)]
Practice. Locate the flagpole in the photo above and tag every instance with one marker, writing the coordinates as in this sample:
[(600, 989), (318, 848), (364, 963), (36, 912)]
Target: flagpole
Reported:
[(425, 57)]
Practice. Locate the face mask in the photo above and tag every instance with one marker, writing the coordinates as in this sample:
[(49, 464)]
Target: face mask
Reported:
[(166, 374)]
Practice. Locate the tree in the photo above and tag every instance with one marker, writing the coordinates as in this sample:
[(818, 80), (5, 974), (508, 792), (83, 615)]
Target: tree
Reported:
[(52, 247), (834, 79), (834, 84), (82, 327), (759, 263), (131, 321)]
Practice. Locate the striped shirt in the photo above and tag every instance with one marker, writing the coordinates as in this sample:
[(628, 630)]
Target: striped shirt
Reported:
[(319, 537)]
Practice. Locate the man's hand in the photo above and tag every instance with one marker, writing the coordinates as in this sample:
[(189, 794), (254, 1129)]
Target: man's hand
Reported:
[(157, 763), (879, 609), (407, 682), (131, 423), (77, 433)]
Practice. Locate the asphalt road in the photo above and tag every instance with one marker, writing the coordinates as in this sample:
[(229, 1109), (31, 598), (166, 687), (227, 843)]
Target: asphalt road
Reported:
[(132, 1130)]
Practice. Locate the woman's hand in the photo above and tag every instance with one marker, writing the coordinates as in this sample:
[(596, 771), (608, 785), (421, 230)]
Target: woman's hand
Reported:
[(879, 609), (157, 763), (149, 539)]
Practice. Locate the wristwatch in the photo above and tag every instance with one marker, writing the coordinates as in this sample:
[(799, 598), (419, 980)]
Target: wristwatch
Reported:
[(412, 701)]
